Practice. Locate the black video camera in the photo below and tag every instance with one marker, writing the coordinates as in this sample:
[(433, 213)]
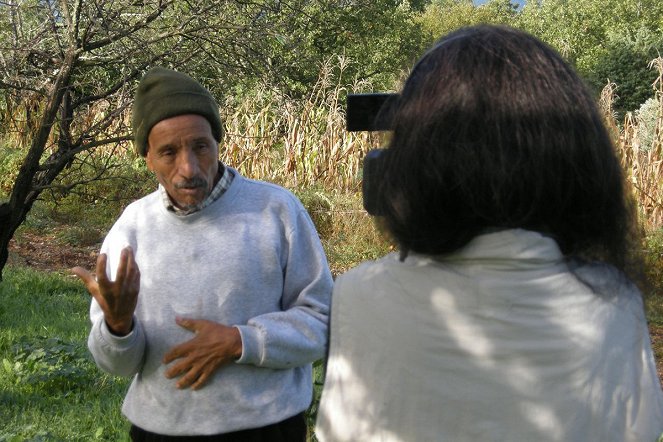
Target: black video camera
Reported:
[(371, 112)]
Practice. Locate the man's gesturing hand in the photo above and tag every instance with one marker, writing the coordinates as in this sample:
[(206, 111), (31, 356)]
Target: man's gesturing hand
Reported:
[(118, 298), (213, 346)]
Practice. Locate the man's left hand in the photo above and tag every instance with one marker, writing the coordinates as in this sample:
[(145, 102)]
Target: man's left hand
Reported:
[(214, 346)]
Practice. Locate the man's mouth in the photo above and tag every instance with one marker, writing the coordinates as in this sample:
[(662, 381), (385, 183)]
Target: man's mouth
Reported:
[(193, 184)]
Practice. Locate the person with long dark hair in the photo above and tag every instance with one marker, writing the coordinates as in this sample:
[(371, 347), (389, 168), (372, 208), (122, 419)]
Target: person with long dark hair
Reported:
[(512, 310)]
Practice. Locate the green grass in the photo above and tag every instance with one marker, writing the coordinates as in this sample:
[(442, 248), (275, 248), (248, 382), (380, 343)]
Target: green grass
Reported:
[(654, 260), (50, 390), (347, 232)]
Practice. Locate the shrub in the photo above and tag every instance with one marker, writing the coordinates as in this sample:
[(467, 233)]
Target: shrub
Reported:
[(653, 252), (647, 117), (49, 365), (625, 61), (319, 207), (10, 162)]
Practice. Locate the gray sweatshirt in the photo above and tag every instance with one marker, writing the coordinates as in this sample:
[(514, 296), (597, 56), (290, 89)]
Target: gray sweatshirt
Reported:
[(252, 259)]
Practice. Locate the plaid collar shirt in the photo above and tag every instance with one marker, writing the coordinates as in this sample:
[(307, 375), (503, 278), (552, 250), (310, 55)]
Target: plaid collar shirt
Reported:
[(216, 193)]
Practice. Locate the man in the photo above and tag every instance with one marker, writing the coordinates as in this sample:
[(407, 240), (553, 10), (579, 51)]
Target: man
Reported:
[(230, 306)]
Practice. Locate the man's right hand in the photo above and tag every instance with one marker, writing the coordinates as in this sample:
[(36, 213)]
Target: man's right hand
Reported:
[(118, 298)]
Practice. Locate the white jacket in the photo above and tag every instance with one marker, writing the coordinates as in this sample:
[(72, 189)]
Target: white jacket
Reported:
[(505, 340)]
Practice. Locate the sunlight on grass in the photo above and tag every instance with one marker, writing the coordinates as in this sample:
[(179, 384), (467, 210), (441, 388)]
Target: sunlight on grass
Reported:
[(51, 389)]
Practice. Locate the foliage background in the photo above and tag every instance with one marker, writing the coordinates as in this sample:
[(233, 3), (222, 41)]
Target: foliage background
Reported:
[(281, 71)]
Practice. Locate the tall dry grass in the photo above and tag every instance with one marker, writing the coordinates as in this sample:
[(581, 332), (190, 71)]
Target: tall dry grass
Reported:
[(302, 143), (641, 151)]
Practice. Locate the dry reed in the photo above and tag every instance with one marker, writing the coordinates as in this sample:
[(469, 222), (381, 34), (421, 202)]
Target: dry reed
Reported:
[(643, 164), (300, 143), (303, 144)]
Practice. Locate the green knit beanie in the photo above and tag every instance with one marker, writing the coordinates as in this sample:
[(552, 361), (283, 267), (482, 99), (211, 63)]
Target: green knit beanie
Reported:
[(163, 93)]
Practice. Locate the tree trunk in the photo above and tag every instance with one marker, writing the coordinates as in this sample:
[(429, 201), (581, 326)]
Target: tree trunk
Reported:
[(30, 180), (10, 220), (4, 230)]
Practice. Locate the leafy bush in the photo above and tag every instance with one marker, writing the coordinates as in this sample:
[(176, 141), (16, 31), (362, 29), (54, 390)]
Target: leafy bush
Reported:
[(82, 234), (647, 118), (10, 162), (354, 237), (99, 186), (319, 207), (49, 365), (318, 383), (653, 252), (625, 61)]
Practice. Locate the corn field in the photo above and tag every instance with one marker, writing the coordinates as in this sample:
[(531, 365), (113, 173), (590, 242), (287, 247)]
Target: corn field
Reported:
[(303, 144), (299, 143), (639, 143)]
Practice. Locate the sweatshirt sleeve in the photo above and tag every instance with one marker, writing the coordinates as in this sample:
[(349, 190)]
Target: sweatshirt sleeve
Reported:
[(117, 355), (296, 335)]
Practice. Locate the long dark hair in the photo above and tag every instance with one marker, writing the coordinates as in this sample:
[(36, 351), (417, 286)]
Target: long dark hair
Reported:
[(494, 130)]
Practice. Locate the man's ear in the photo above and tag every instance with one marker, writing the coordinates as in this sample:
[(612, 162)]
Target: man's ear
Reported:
[(148, 159)]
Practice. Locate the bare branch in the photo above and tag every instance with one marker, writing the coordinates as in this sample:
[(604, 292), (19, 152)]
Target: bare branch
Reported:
[(126, 32)]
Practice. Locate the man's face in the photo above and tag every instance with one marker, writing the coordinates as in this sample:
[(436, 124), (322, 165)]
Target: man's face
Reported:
[(184, 156)]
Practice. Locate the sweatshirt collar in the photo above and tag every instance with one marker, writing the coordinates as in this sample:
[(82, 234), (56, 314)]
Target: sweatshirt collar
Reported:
[(217, 192)]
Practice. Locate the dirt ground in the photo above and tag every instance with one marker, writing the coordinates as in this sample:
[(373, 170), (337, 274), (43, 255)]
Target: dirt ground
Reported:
[(656, 334), (43, 252)]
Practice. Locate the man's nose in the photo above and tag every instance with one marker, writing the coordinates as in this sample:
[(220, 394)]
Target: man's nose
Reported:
[(187, 165)]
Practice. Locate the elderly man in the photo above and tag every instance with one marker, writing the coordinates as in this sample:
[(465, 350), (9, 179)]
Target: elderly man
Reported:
[(220, 325)]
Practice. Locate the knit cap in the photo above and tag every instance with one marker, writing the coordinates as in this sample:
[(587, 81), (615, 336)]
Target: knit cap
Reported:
[(163, 93)]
